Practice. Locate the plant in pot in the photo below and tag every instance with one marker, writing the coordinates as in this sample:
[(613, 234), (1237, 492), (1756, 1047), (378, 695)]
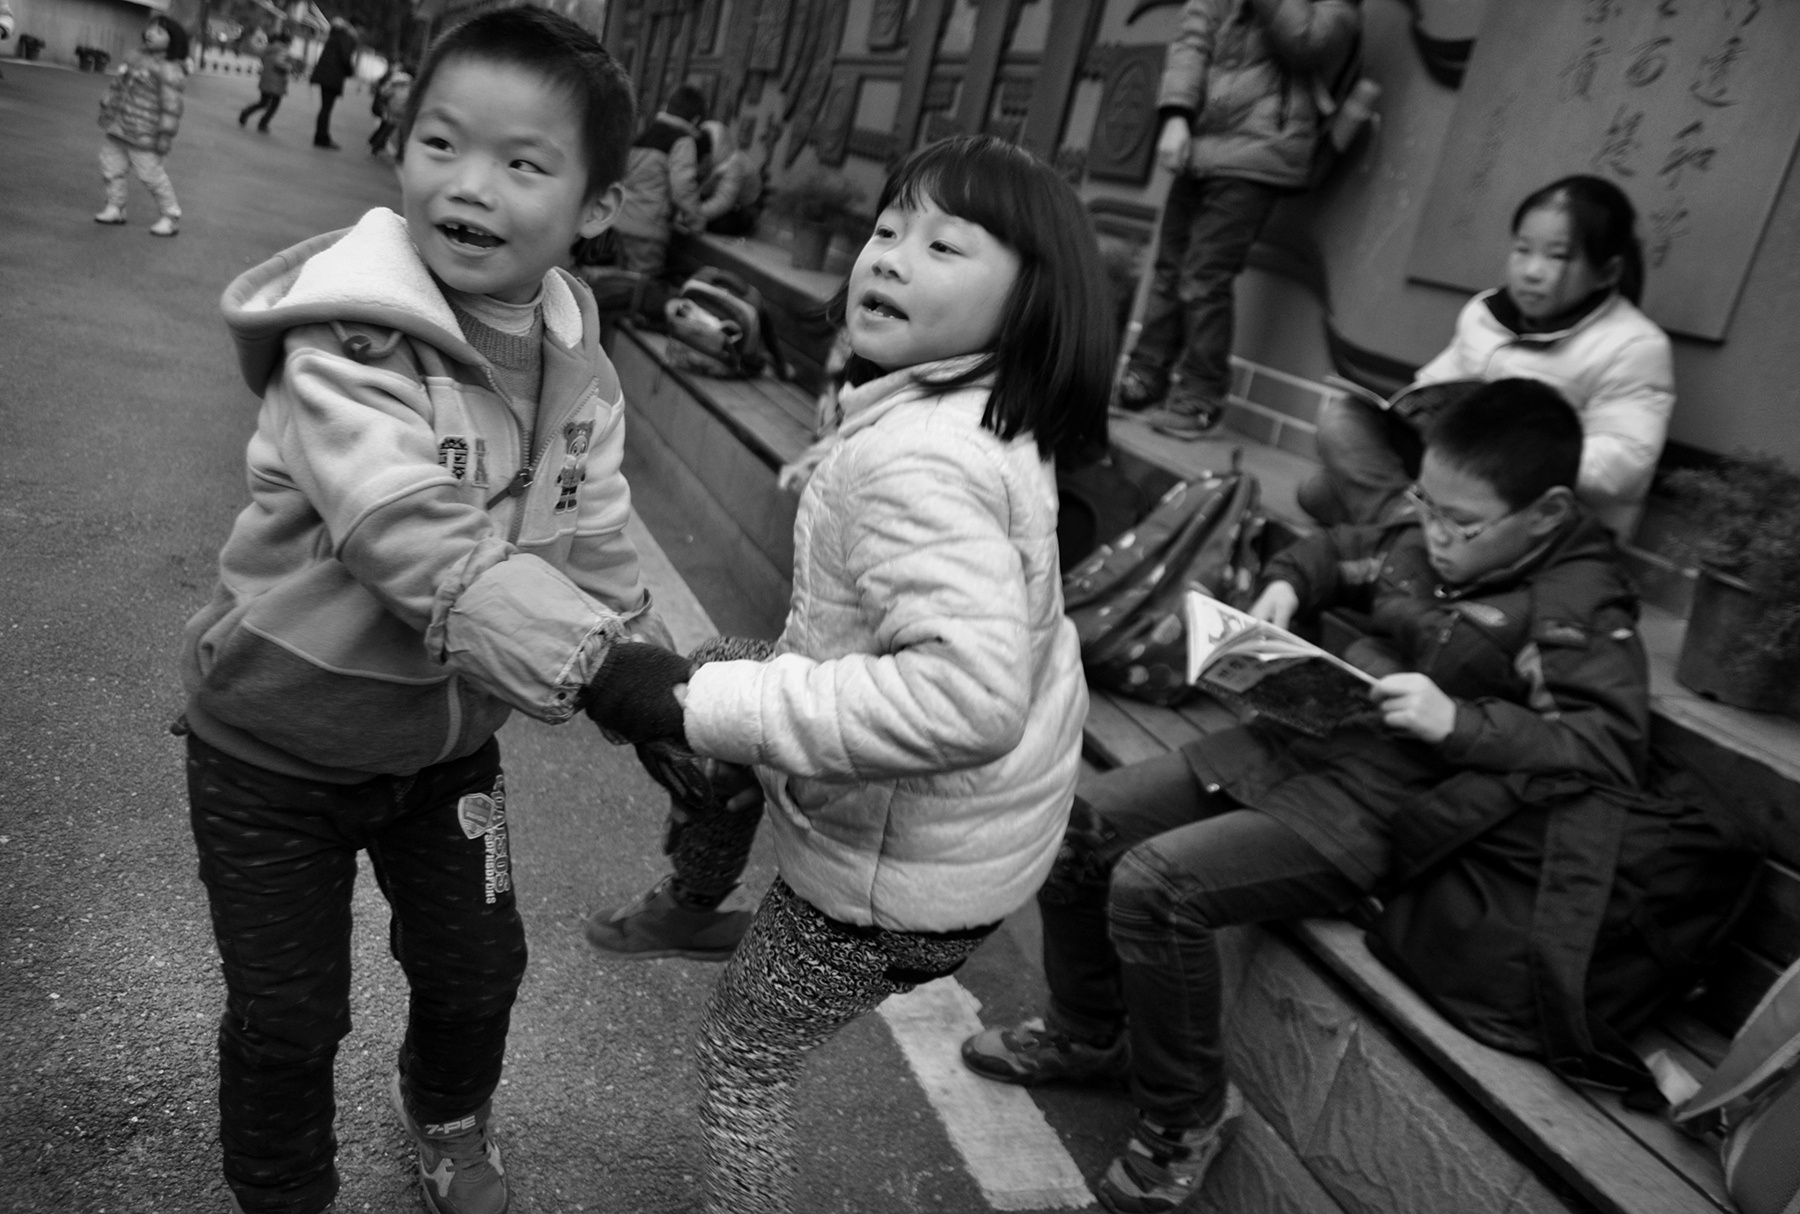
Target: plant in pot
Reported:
[(815, 206), (1743, 636)]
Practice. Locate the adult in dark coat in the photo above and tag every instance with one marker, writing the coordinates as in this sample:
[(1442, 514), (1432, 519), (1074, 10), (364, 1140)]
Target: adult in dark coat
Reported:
[(336, 64)]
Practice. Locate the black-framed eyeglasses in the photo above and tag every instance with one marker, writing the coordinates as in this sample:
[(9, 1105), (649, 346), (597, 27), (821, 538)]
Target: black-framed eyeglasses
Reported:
[(1431, 515)]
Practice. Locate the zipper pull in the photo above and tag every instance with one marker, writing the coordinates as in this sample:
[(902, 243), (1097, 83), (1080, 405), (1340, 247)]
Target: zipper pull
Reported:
[(516, 487)]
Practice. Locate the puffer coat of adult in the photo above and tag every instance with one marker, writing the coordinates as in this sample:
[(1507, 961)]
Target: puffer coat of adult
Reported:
[(918, 732), (142, 105), (1246, 74)]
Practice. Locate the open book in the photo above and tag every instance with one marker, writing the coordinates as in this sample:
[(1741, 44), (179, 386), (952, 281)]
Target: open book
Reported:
[(1415, 403), (1254, 665)]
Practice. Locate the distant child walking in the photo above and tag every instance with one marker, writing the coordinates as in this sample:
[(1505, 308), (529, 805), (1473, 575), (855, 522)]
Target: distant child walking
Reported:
[(277, 67), (918, 731), (140, 113), (436, 538)]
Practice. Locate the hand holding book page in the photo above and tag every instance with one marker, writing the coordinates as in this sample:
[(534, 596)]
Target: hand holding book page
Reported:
[(1255, 666)]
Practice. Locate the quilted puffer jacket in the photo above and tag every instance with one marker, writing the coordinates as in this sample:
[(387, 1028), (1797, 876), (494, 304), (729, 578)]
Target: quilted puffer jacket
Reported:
[(918, 732), (1244, 73), (142, 105), (662, 181), (417, 560), (1614, 365)]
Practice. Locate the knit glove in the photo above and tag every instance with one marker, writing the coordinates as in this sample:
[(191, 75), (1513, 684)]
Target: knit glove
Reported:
[(632, 696), (700, 785)]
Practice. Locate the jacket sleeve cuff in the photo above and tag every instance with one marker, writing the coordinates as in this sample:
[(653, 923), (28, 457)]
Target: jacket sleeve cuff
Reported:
[(1166, 112), (722, 714)]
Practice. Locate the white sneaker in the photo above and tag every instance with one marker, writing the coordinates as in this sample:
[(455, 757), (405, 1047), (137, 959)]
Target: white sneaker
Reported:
[(111, 214), (162, 227)]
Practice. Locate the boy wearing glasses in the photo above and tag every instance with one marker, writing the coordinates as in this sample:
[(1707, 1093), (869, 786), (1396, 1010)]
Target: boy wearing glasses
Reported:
[(1502, 629)]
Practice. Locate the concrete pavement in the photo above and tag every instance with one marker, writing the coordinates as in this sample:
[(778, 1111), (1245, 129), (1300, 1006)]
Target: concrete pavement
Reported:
[(124, 420)]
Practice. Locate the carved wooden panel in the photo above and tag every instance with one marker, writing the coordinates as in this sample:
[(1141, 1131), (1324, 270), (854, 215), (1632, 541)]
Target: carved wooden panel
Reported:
[(706, 30), (939, 125), (770, 36), (940, 92), (753, 86), (876, 145), (1124, 140), (887, 24), (1071, 163), (1014, 94), (813, 79), (833, 128)]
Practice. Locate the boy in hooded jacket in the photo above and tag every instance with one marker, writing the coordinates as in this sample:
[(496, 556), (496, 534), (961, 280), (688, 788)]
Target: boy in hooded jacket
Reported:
[(1503, 629), (436, 538)]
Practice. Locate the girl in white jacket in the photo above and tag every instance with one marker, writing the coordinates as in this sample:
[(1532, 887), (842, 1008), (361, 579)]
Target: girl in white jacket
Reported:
[(1567, 316), (917, 732)]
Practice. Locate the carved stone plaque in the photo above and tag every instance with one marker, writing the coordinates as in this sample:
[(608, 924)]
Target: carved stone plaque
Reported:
[(1124, 140)]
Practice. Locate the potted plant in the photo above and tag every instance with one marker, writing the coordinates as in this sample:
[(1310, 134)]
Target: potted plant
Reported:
[(815, 206), (1743, 636)]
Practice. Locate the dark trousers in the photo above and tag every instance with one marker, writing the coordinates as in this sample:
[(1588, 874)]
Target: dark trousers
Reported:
[(1150, 869), (1369, 457), (1208, 226), (268, 103), (327, 98), (278, 859)]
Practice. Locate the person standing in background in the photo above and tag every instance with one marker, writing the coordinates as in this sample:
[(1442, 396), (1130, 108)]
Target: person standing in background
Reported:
[(1240, 125), (337, 63), (272, 85)]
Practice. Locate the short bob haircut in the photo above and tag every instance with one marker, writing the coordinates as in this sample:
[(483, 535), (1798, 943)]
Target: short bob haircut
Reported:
[(1602, 222), (1518, 435), (564, 55), (1052, 359)]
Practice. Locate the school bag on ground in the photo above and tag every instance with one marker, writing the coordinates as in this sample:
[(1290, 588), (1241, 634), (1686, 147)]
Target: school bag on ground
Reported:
[(718, 326), (1125, 599), (1753, 1100), (1553, 917)]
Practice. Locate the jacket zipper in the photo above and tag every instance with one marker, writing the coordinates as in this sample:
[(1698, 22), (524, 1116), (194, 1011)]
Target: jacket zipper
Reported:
[(526, 476)]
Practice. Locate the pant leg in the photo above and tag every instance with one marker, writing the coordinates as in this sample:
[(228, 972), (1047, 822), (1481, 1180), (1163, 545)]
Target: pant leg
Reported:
[(278, 873), (1117, 811), (1227, 217), (273, 103), (114, 163), (327, 98), (793, 983), (1160, 337), (149, 168), (1369, 457), (1169, 896), (709, 852), (446, 870)]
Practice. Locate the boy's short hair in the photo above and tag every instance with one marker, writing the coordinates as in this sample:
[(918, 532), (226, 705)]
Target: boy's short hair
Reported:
[(562, 53), (1519, 435), (687, 103)]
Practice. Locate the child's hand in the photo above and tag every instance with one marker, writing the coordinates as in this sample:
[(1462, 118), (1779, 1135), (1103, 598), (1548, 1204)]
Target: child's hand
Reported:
[(1276, 604), (1172, 144), (633, 694), (1412, 704)]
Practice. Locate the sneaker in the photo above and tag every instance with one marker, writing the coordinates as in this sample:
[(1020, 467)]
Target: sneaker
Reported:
[(1030, 1054), (110, 214), (327, 144), (459, 1165), (166, 226), (1183, 422), (655, 925), (1137, 390), (243, 117), (1162, 1168)]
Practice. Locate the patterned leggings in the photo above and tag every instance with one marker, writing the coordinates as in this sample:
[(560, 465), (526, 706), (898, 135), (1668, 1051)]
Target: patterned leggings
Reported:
[(797, 979)]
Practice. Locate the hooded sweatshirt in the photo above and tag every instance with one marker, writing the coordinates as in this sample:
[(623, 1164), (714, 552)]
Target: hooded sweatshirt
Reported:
[(419, 558)]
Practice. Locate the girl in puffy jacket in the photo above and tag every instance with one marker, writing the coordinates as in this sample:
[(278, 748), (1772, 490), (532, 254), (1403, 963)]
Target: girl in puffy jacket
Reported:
[(1567, 315), (140, 113), (917, 732)]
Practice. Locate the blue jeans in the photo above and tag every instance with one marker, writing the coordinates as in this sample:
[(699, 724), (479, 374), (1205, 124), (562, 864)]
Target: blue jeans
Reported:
[(278, 859), (1369, 457), (1151, 867), (1208, 226)]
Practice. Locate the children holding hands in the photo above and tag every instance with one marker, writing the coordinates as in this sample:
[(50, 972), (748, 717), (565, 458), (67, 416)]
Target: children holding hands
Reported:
[(918, 731), (436, 538), (1504, 640)]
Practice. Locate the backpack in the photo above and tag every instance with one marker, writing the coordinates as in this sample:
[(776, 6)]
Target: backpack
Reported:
[(1552, 917), (1125, 599), (1347, 117), (721, 328), (1753, 1098)]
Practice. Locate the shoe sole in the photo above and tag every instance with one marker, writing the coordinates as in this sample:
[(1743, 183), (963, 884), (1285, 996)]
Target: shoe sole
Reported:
[(1002, 1073), (658, 954)]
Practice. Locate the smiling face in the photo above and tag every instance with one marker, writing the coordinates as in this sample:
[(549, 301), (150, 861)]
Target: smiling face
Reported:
[(927, 286), (495, 179), (1546, 271)]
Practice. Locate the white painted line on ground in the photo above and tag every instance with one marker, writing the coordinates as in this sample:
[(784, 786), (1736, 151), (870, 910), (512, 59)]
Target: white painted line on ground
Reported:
[(1009, 1148)]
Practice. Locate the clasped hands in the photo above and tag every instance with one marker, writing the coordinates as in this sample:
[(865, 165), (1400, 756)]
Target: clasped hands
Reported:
[(1410, 702)]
